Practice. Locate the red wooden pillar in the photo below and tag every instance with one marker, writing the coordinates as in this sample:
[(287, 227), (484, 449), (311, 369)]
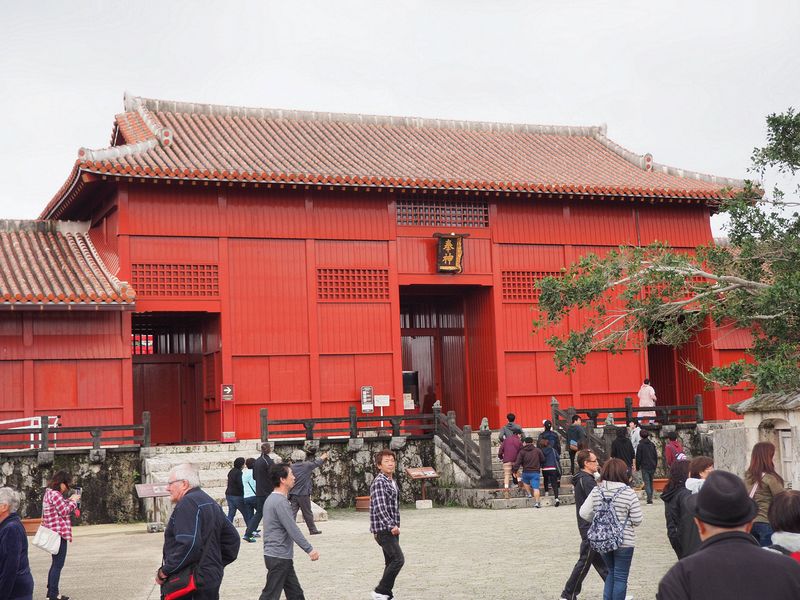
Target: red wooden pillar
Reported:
[(227, 409)]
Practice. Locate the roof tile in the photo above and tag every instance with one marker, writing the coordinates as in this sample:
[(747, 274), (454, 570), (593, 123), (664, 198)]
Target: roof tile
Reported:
[(55, 262)]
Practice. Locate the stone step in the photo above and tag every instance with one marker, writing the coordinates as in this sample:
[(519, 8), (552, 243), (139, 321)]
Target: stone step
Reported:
[(243, 447), (525, 502)]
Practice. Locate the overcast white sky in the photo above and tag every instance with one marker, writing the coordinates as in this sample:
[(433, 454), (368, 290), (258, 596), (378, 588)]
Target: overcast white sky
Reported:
[(688, 81)]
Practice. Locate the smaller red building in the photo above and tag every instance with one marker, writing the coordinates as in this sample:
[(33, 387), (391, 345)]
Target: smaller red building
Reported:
[(64, 327)]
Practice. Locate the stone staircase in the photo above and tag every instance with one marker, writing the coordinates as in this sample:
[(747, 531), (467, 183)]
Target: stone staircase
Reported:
[(516, 497), (213, 461)]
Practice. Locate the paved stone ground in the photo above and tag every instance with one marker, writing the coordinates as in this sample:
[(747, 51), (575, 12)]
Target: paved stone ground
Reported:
[(451, 553)]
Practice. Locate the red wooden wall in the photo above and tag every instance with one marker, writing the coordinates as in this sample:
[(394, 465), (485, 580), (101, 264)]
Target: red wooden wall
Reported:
[(75, 364), (307, 285)]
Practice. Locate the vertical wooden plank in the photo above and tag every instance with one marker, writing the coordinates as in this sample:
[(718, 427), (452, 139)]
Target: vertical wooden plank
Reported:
[(228, 409), (313, 316), (27, 389), (499, 325), (394, 300), (126, 366)]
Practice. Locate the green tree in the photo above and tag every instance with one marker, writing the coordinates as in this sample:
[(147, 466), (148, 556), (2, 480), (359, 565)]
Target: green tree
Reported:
[(656, 295)]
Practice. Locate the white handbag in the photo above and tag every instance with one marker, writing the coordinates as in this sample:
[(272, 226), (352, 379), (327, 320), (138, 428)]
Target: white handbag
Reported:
[(47, 539)]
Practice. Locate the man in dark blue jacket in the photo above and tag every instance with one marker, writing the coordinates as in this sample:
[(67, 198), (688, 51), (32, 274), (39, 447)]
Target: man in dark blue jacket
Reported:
[(198, 533), (15, 573), (584, 482)]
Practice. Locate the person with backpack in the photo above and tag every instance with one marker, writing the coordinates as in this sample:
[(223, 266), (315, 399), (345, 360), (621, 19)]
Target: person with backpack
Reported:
[(584, 482), (763, 484), (550, 471), (576, 440), (674, 449), (614, 510), (530, 458), (784, 518), (645, 461), (507, 453), (551, 436)]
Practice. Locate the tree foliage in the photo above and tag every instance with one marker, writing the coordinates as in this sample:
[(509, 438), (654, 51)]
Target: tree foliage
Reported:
[(657, 295)]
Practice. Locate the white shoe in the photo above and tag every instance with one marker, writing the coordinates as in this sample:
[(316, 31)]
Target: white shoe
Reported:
[(377, 596)]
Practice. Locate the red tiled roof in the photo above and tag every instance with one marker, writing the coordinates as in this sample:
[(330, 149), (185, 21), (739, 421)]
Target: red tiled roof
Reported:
[(164, 139), (53, 263)]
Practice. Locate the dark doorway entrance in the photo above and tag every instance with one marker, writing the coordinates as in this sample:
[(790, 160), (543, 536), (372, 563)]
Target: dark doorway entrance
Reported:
[(432, 331), (662, 363), (174, 374)]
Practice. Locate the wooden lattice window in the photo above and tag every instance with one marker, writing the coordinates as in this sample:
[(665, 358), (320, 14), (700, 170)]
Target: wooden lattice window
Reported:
[(353, 284), (170, 280), (443, 214), (520, 286)]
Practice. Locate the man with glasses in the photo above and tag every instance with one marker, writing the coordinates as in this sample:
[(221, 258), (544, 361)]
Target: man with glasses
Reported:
[(198, 535), (584, 481)]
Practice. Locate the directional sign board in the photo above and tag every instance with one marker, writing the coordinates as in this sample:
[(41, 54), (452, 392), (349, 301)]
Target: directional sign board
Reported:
[(227, 392), (152, 490)]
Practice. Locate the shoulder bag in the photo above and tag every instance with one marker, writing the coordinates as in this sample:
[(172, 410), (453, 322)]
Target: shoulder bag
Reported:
[(47, 539), (182, 583)]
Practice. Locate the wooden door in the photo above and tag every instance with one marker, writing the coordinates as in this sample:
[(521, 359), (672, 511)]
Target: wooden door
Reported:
[(157, 387)]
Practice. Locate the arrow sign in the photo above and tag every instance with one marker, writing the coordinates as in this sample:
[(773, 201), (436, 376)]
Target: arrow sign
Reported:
[(227, 392)]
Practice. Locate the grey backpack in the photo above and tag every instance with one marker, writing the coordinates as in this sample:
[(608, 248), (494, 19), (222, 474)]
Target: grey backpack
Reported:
[(606, 533)]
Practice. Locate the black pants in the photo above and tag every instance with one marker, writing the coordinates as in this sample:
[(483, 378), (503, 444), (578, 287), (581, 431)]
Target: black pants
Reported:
[(255, 521), (394, 559), (588, 558), (206, 593), (281, 578), (303, 503), (572, 454), (551, 479)]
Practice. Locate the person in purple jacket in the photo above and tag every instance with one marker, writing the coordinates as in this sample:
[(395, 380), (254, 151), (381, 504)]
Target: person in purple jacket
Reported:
[(509, 449)]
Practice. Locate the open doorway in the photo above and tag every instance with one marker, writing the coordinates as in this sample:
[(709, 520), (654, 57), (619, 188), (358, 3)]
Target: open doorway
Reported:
[(662, 364), (432, 332), (175, 375)]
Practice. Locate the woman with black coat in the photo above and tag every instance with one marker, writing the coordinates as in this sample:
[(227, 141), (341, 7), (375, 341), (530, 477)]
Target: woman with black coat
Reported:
[(679, 511), (234, 493), (622, 448)]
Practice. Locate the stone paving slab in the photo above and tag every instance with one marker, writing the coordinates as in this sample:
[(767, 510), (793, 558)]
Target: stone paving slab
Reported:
[(451, 553)]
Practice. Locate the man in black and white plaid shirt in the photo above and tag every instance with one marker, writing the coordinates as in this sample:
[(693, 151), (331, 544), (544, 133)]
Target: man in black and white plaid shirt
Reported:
[(384, 522)]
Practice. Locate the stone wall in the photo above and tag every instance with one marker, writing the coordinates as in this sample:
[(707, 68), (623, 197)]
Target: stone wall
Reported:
[(108, 492), (349, 470)]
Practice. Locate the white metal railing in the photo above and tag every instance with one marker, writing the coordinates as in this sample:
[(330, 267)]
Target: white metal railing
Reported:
[(29, 422)]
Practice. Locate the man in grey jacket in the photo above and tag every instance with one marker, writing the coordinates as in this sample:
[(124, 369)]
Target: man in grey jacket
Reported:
[(280, 534), (300, 494)]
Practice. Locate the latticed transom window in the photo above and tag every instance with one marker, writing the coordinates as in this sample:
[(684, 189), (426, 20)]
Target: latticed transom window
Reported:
[(171, 280), (520, 286), (353, 284), (443, 214)]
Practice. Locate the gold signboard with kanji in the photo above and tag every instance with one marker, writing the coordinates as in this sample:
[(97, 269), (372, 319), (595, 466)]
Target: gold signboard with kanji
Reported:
[(449, 253)]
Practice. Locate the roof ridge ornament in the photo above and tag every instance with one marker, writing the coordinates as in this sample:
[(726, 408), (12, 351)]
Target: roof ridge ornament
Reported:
[(135, 104)]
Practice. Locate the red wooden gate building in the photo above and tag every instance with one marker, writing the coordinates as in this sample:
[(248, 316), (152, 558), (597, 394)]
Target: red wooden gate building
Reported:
[(294, 256)]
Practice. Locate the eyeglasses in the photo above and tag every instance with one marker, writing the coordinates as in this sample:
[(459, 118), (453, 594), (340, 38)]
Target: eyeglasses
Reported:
[(169, 483)]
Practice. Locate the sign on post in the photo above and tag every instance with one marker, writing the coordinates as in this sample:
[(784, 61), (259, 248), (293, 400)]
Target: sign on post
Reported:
[(227, 392), (367, 399), (382, 400)]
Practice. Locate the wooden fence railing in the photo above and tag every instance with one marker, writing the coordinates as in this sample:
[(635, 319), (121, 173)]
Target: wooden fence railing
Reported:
[(40, 438), (690, 414), (476, 456), (351, 426)]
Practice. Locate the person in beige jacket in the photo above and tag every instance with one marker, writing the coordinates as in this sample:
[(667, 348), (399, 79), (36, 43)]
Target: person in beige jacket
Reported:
[(763, 483)]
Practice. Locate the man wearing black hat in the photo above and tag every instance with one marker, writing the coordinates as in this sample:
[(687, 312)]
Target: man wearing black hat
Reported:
[(729, 563)]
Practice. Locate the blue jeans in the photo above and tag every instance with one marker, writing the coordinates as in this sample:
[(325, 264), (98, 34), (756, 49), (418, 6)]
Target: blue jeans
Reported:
[(647, 478), (54, 575), (236, 503), (763, 533), (619, 565)]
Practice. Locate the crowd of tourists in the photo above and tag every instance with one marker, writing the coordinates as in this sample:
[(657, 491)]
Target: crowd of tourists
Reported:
[(731, 536)]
